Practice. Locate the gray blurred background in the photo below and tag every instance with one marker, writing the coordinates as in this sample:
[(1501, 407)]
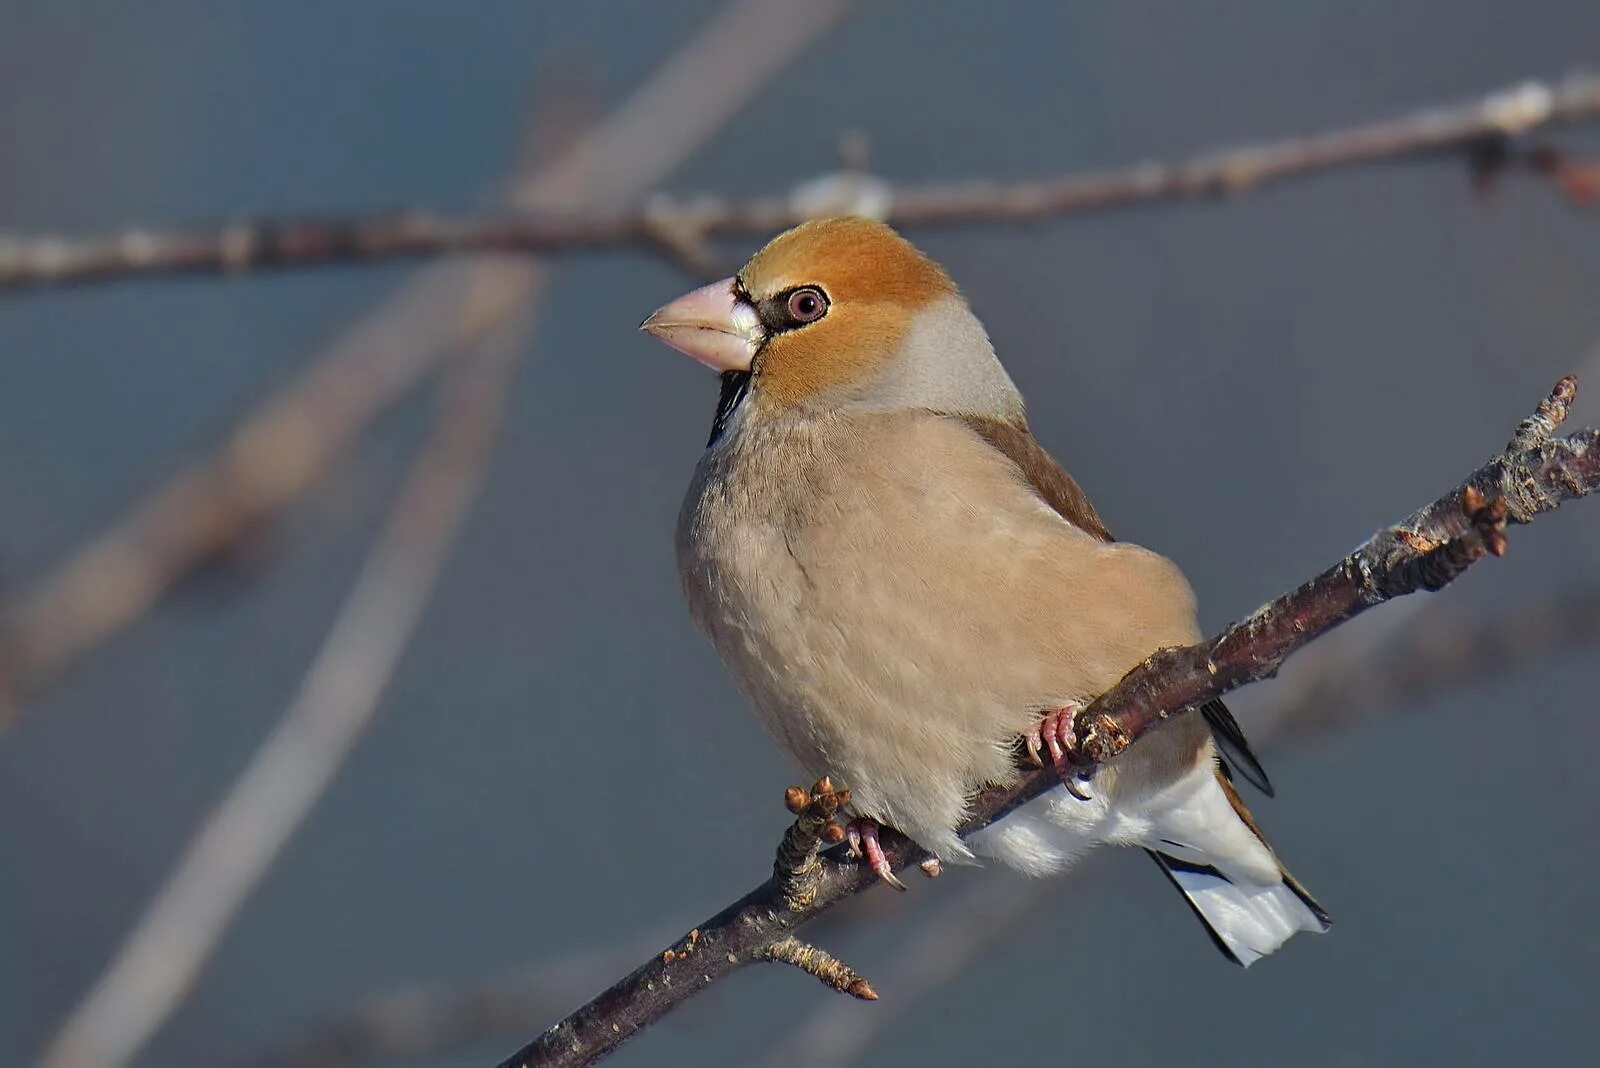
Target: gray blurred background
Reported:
[(560, 769)]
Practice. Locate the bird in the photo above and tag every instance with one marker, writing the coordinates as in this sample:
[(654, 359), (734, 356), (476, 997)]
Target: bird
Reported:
[(911, 593)]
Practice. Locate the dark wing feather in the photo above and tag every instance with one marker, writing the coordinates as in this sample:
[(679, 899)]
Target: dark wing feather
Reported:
[(1058, 489), (1235, 746)]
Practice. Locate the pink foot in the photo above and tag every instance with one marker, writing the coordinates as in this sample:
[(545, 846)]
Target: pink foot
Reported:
[(863, 835), (1055, 734)]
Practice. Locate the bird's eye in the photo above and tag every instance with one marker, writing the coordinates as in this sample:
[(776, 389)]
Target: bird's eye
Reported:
[(807, 304)]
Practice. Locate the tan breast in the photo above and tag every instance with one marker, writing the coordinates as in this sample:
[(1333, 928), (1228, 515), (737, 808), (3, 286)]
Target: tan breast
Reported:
[(899, 605)]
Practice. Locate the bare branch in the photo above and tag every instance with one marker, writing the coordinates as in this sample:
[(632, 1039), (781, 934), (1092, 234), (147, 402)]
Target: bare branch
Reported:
[(955, 934), (819, 964), (1482, 130), (798, 863), (1437, 653), (1426, 551), (280, 450), (1535, 474)]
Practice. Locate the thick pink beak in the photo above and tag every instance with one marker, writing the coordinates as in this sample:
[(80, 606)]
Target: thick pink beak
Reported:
[(712, 325)]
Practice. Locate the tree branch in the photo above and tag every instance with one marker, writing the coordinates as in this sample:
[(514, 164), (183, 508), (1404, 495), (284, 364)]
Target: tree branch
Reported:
[(1439, 652), (1482, 129), (1534, 474)]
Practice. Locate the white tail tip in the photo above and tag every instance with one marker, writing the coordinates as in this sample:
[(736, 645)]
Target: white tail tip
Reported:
[(1246, 922)]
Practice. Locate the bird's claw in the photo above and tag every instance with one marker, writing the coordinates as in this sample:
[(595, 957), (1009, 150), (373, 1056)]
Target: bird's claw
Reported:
[(1032, 741), (1054, 732), (821, 802), (863, 837)]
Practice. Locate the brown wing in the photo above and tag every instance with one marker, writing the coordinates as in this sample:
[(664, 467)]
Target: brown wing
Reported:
[(1054, 486), (1058, 489)]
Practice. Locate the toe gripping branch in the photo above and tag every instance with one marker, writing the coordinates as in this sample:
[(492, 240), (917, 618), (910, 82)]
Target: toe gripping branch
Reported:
[(1058, 732)]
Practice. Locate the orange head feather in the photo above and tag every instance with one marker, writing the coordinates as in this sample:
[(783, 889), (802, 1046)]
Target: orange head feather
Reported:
[(864, 284)]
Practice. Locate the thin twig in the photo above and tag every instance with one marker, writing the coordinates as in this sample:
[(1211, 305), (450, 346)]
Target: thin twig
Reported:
[(1482, 129), (280, 450), (1426, 551), (797, 870), (955, 933), (1535, 474), (819, 964), (798, 864)]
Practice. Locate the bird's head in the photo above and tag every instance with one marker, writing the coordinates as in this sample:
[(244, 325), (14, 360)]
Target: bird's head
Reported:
[(842, 314)]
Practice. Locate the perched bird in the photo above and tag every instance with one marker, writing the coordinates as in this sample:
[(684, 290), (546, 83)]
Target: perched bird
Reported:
[(904, 584)]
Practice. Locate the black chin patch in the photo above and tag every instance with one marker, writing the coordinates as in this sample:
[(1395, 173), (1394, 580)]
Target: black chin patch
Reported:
[(735, 386)]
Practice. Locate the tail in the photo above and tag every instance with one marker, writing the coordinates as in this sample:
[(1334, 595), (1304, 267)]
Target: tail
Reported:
[(1252, 907), (1245, 922)]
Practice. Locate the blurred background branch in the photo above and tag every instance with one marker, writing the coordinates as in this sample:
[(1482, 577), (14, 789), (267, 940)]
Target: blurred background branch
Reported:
[(284, 448), (238, 842), (1490, 132), (287, 445), (170, 944)]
